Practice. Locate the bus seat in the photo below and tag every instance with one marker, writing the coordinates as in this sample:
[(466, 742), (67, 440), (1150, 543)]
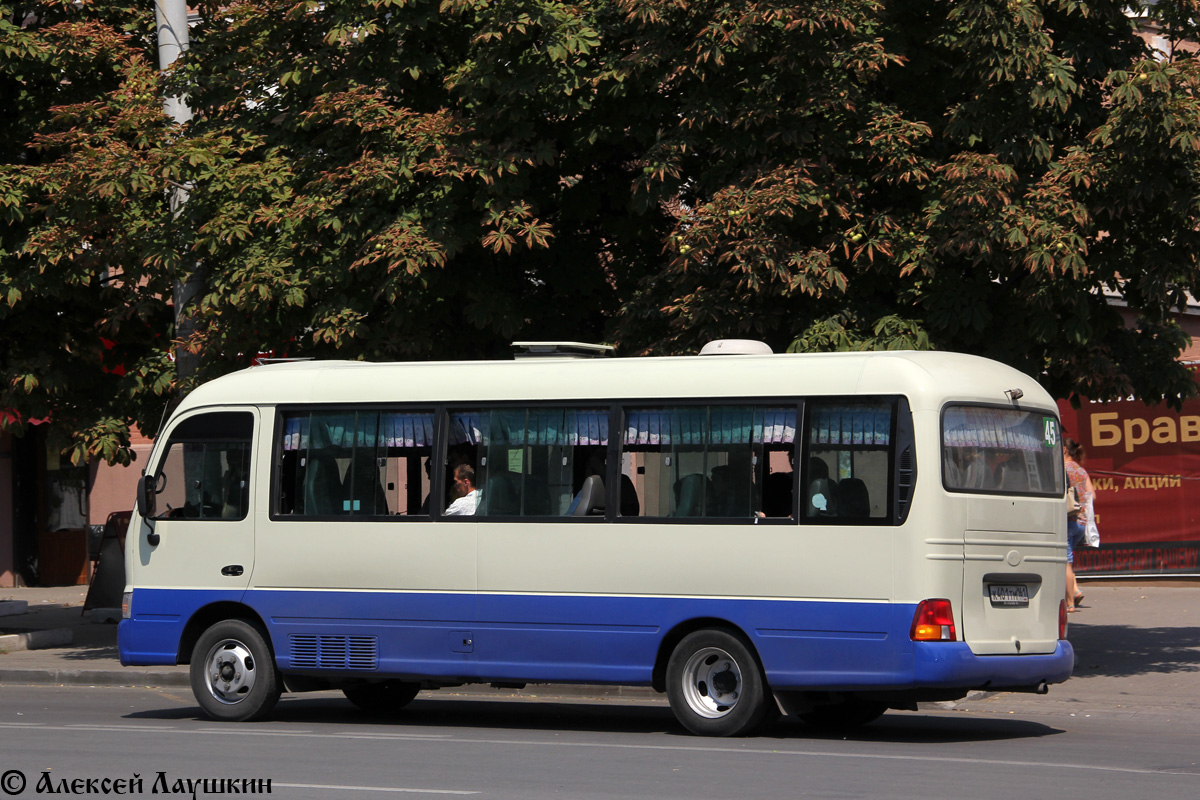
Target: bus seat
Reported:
[(235, 495), (537, 497), (500, 496), (366, 486), (591, 497), (1012, 477), (322, 486), (630, 506), (853, 498), (822, 498), (690, 491), (730, 495), (817, 468)]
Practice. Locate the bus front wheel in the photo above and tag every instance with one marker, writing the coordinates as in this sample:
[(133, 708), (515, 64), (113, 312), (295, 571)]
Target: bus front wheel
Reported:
[(715, 686), (233, 673)]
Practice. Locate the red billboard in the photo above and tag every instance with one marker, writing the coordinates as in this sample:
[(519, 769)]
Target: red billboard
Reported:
[(1145, 464)]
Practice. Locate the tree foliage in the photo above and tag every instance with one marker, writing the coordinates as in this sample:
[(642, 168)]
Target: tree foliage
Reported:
[(434, 178), (977, 176), (85, 253)]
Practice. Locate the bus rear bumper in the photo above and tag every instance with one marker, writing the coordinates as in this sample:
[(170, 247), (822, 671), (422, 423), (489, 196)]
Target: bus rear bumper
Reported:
[(952, 665)]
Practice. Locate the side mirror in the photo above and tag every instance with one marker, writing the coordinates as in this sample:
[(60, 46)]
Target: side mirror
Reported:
[(147, 499)]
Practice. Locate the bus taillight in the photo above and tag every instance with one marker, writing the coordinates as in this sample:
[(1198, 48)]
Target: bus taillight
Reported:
[(1062, 618), (933, 622)]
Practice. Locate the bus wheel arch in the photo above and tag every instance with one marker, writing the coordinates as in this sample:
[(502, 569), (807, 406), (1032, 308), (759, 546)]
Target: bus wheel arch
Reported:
[(658, 678), (210, 615)]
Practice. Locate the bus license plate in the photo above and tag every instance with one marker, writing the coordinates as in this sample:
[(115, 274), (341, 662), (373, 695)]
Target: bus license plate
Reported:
[(1009, 594)]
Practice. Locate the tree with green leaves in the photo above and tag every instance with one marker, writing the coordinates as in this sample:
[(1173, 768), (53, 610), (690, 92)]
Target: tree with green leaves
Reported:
[(86, 252), (977, 176), (434, 178)]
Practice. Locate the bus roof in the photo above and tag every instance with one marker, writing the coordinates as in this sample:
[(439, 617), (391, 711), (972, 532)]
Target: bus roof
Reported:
[(927, 379)]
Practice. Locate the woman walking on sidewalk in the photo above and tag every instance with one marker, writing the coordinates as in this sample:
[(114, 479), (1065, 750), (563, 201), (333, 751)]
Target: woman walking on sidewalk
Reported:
[(1079, 483)]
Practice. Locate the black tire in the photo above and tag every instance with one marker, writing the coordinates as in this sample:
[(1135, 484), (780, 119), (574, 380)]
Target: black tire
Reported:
[(233, 672), (845, 716), (384, 699), (715, 685)]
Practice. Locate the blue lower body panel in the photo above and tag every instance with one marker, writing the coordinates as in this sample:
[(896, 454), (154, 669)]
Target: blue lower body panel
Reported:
[(580, 639), (151, 636)]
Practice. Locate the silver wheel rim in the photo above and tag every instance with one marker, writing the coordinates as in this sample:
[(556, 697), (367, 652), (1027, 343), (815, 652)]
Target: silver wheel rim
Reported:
[(712, 682), (229, 671)]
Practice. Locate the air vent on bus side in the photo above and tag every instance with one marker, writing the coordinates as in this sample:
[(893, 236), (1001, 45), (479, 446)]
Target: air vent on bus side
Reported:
[(310, 651), (906, 477)]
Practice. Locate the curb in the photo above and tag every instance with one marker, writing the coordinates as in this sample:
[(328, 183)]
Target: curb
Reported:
[(13, 608), (92, 677), (36, 640)]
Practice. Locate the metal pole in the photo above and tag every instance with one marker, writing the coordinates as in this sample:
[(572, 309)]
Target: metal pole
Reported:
[(171, 19)]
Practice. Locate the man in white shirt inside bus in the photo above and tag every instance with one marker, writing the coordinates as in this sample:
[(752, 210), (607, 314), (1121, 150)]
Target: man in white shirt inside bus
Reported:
[(465, 495)]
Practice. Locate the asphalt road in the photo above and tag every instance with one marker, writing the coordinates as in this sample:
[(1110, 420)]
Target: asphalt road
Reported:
[(318, 746)]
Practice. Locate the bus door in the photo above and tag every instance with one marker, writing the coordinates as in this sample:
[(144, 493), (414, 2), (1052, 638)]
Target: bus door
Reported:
[(199, 533)]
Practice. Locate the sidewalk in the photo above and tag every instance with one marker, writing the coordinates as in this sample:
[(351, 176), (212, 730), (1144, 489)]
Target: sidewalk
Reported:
[(1137, 650), (1137, 653), (89, 656)]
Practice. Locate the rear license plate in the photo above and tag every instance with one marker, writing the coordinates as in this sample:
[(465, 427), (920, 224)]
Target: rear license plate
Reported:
[(1004, 594)]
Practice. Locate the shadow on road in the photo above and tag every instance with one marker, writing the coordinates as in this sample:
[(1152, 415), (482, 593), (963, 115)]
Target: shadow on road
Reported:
[(100, 653), (425, 715), (1121, 650)]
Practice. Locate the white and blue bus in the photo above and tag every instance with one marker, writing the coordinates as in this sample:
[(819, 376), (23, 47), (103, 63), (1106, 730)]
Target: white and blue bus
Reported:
[(832, 534)]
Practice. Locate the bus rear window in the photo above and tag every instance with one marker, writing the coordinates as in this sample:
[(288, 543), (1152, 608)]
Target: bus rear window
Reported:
[(1001, 451)]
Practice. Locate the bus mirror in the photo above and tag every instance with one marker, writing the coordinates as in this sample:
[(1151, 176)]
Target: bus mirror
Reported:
[(146, 497)]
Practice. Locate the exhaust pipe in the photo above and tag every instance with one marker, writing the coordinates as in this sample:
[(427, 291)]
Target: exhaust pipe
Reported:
[(1040, 688)]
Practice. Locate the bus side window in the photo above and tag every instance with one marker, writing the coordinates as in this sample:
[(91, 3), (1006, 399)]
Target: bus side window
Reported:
[(205, 471), (847, 473), (727, 462), (357, 464), (531, 462)]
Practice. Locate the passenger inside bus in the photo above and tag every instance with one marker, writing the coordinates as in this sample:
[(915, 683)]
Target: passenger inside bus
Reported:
[(465, 497), (777, 494), (731, 487), (822, 490)]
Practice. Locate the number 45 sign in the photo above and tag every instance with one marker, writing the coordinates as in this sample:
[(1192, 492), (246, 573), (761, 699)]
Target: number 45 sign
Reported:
[(1050, 431)]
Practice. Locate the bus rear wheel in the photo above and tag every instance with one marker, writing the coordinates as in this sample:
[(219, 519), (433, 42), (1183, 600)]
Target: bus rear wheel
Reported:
[(715, 686), (385, 699), (233, 673)]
